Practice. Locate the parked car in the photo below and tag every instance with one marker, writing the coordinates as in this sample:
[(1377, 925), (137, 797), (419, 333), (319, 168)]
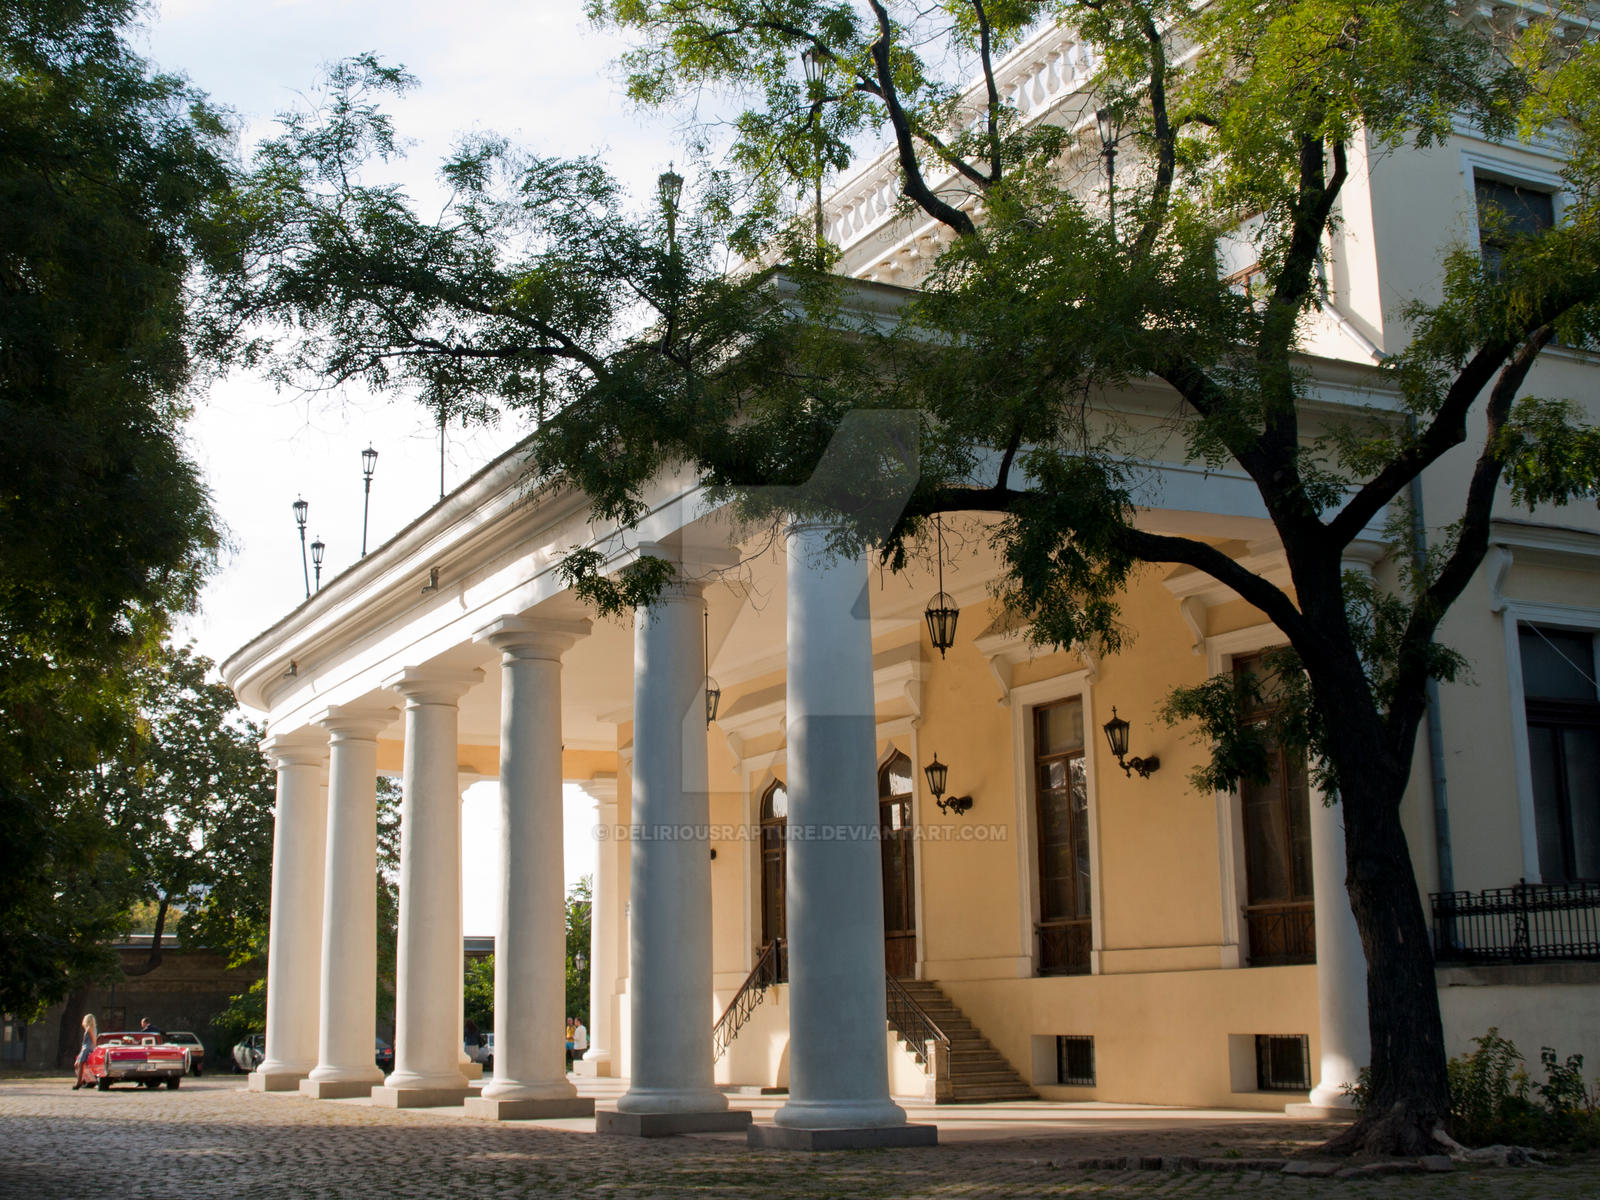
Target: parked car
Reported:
[(486, 1055), (140, 1056), (247, 1055), (384, 1056), (195, 1048)]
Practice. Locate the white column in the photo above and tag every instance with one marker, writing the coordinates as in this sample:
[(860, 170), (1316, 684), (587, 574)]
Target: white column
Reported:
[(530, 961), (1341, 964), (427, 1013), (294, 936), (602, 929), (465, 778), (671, 1088), (838, 1057), (347, 1031)]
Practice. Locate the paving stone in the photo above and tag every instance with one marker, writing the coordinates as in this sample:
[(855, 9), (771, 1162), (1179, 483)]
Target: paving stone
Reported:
[(212, 1138)]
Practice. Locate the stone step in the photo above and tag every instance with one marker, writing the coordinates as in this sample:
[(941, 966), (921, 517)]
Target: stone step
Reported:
[(978, 1072)]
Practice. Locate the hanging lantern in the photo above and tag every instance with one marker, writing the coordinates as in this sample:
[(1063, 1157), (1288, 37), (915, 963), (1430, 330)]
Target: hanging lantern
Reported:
[(942, 611), (941, 615), (938, 774), (713, 698)]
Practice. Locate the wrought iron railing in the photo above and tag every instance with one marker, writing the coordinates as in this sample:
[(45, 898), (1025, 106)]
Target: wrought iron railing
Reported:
[(1281, 934), (1064, 946), (912, 1022), (1531, 922), (769, 969)]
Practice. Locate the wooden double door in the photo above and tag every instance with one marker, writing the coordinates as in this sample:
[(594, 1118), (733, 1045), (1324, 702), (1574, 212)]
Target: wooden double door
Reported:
[(897, 844)]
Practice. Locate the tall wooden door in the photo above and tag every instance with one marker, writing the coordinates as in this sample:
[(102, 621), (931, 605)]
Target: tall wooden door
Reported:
[(899, 867), (774, 827)]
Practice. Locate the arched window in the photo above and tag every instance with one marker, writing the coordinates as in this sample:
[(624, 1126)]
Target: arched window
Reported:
[(774, 825), (899, 866)]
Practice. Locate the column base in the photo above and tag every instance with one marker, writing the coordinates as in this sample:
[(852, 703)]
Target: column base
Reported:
[(385, 1096), (471, 1071), (592, 1068), (491, 1108), (335, 1089), (275, 1081), (867, 1137), (669, 1123)]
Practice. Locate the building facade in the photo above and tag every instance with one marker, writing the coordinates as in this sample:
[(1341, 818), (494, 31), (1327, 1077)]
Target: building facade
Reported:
[(782, 900)]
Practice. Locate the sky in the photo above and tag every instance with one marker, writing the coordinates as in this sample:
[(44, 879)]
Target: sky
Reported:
[(535, 71)]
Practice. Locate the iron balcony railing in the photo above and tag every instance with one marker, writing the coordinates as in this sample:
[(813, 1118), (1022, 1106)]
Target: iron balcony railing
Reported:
[(771, 968), (1064, 946), (1531, 922), (912, 1022), (1282, 934)]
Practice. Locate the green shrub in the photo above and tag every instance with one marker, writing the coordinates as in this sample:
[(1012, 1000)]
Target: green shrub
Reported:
[(1493, 1099)]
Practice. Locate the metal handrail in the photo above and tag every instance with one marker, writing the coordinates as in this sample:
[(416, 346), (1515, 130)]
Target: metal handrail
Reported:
[(763, 975), (912, 1022)]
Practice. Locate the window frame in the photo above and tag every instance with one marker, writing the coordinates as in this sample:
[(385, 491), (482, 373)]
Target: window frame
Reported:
[(1023, 700), (1515, 615)]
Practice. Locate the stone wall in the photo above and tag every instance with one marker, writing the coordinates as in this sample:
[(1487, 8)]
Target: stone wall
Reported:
[(187, 991)]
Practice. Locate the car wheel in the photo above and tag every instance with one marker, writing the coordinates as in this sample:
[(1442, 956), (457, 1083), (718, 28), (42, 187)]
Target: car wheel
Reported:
[(172, 1084), (103, 1084), (198, 1070), (152, 1084), (488, 1063)]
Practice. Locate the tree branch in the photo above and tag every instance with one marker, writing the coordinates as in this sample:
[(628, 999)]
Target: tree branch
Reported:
[(916, 186)]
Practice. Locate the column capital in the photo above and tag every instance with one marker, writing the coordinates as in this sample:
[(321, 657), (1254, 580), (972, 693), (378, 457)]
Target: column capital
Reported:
[(304, 747), (428, 685), (696, 564), (602, 789), (533, 637), (352, 722), (466, 777)]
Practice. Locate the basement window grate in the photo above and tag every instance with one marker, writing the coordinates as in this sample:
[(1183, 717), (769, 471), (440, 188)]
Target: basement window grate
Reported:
[(1283, 1062), (1075, 1060)]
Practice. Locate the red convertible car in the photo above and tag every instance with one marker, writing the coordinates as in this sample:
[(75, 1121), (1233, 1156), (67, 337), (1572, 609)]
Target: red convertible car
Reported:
[(142, 1056)]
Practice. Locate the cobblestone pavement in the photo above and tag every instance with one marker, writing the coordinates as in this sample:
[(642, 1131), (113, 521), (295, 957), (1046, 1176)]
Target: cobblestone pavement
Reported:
[(212, 1138)]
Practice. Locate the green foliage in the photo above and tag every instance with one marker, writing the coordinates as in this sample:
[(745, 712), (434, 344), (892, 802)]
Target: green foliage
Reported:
[(580, 906), (478, 999), (1494, 1100), (113, 184)]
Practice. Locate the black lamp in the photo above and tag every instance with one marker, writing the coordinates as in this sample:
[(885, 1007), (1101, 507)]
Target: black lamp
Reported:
[(369, 464), (938, 774), (669, 186), (942, 611), (318, 548), (1117, 735), (300, 510), (1108, 148), (713, 691)]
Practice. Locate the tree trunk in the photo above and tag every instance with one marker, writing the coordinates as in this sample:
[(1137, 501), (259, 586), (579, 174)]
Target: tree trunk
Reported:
[(1410, 1093)]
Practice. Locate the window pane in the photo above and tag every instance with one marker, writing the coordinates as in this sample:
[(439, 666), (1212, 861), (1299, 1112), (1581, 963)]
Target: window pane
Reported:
[(775, 804), (1058, 728), (1557, 665), (1506, 210), (1582, 753), (1544, 756), (895, 777)]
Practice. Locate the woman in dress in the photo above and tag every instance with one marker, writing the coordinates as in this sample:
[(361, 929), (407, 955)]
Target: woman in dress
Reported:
[(90, 1032)]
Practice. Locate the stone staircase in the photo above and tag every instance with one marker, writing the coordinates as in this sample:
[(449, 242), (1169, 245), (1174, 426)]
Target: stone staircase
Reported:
[(976, 1073)]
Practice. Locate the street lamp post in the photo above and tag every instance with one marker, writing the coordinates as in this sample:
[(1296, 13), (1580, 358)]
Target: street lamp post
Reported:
[(815, 67), (300, 509), (369, 464), (1108, 149), (318, 547), (669, 186)]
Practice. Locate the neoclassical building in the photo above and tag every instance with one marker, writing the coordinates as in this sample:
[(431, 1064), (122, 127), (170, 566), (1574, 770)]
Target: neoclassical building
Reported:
[(783, 900)]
